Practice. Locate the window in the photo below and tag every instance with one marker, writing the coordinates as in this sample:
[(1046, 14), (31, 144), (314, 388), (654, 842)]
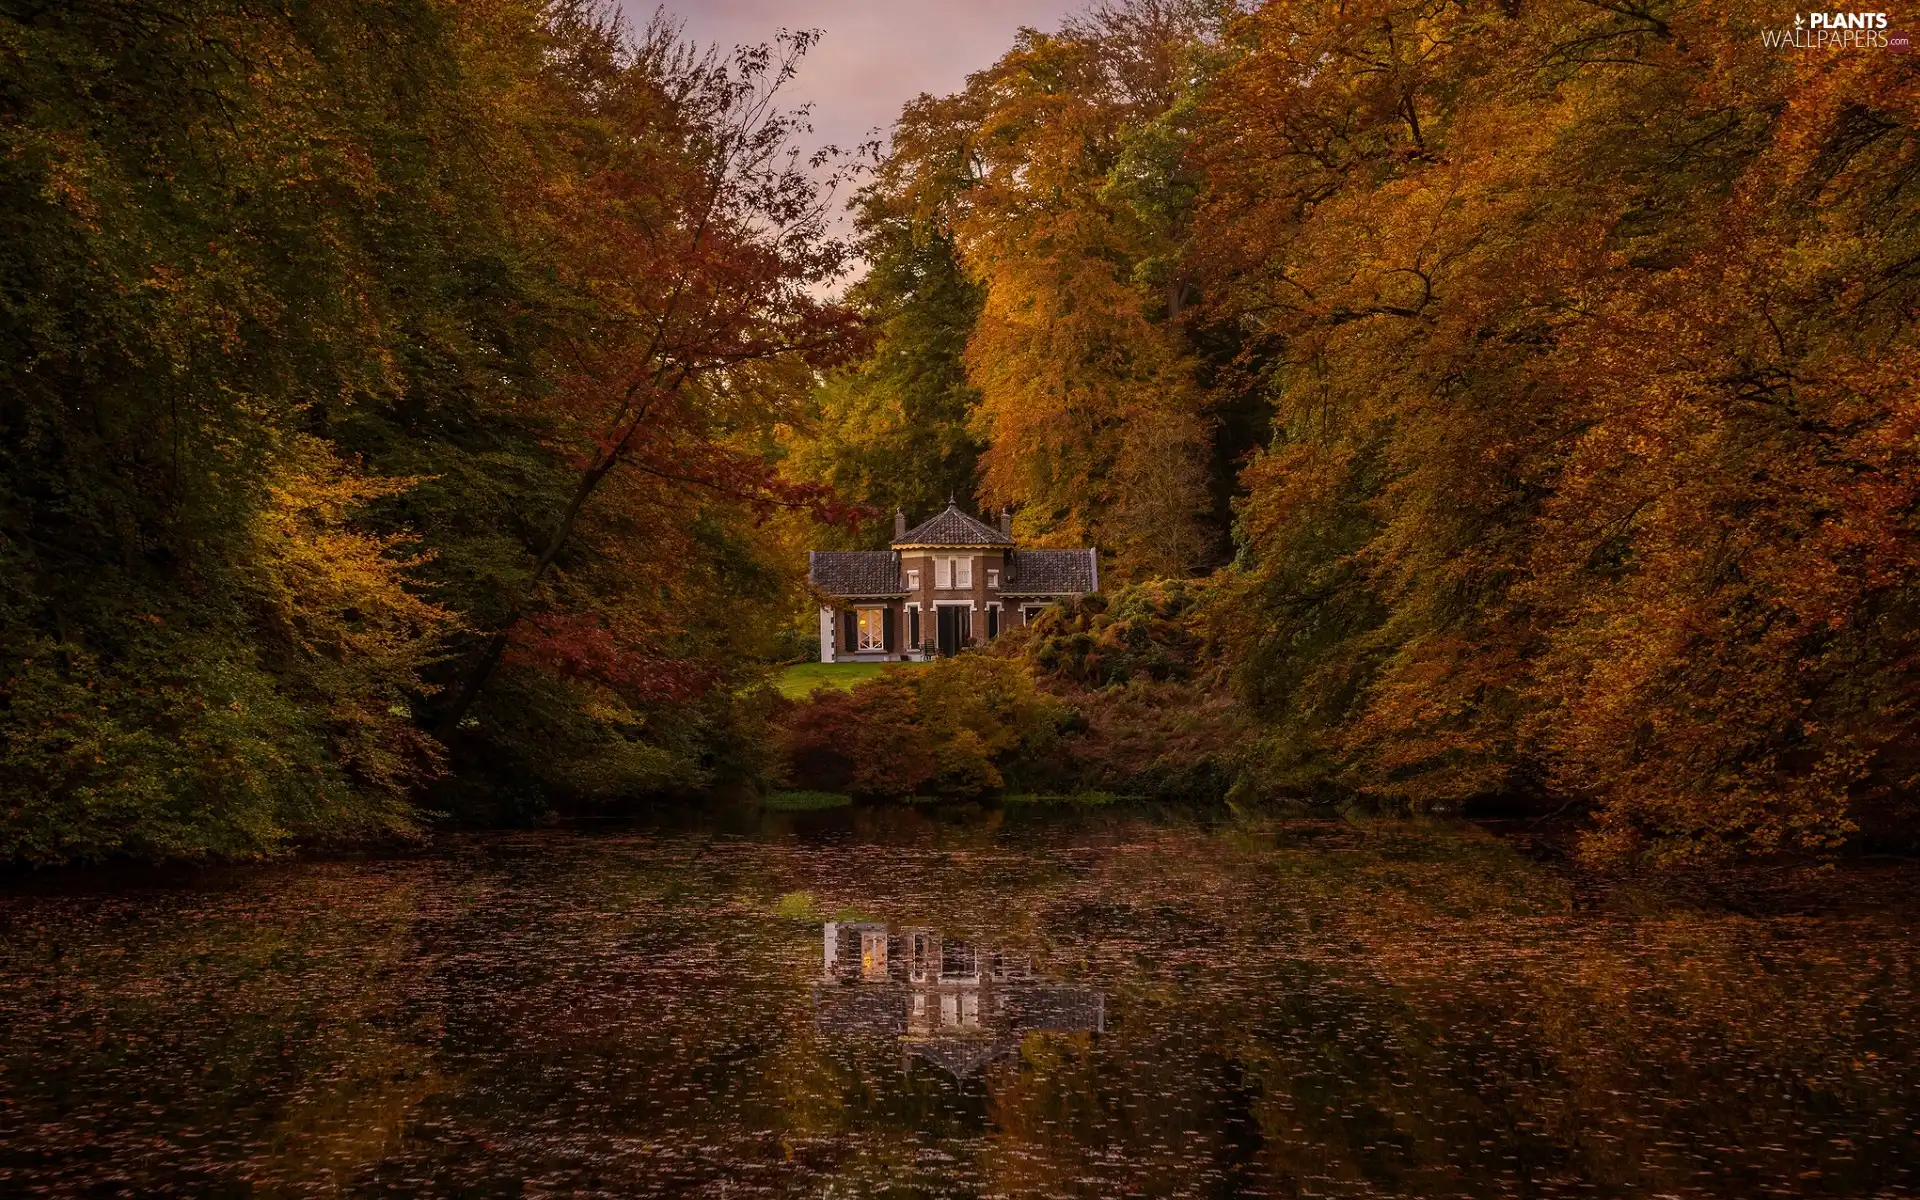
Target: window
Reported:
[(953, 573), (913, 581), (993, 577), (913, 628), (1029, 612), (873, 632)]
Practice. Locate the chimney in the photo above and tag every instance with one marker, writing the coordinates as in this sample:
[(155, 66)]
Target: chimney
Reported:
[(1006, 521), (899, 523)]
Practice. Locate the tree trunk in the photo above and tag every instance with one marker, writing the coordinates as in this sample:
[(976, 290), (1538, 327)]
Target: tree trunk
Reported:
[(496, 647)]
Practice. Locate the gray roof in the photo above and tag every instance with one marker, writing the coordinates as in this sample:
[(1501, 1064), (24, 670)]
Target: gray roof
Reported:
[(1050, 572), (855, 572), (951, 527)]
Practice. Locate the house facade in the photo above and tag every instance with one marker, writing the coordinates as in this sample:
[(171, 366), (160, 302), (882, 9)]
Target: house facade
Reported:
[(950, 582)]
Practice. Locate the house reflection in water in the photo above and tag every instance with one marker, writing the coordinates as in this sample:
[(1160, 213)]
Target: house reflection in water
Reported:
[(949, 1003)]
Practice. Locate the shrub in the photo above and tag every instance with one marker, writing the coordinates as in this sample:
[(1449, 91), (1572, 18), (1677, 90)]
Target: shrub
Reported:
[(956, 727), (1166, 741), (793, 644), (1145, 631)]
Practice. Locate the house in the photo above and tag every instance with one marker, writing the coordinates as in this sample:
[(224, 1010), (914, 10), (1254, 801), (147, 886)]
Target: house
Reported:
[(950, 582)]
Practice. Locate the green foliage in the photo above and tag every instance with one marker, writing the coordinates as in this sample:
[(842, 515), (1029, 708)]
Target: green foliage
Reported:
[(796, 644), (1100, 695), (1589, 475), (1146, 631), (892, 432), (192, 750), (290, 405), (219, 228)]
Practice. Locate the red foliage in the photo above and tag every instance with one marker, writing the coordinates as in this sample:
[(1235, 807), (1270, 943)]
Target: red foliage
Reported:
[(706, 241), (868, 741), (580, 646)]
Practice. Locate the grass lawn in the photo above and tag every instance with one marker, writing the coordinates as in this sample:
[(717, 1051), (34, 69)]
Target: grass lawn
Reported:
[(799, 680)]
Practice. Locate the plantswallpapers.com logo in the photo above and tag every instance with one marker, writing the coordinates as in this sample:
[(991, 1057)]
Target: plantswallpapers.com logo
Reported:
[(1837, 31)]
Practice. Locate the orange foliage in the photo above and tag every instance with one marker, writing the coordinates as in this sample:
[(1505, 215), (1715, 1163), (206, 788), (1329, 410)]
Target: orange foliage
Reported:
[(1592, 329), (1094, 421)]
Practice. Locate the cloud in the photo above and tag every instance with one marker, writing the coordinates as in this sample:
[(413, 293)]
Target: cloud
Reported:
[(876, 54)]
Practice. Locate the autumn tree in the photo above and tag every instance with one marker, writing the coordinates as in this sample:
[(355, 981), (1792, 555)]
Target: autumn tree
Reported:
[(1022, 236), (1589, 476), (350, 347), (703, 240), (222, 226), (1094, 421), (892, 432)]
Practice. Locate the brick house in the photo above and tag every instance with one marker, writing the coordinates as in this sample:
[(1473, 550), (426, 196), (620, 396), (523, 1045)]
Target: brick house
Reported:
[(950, 582)]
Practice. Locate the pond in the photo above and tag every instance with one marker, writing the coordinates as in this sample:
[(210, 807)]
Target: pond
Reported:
[(891, 1002)]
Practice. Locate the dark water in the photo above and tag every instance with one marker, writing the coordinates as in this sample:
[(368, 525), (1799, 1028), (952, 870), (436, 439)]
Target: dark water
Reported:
[(1156, 1010)]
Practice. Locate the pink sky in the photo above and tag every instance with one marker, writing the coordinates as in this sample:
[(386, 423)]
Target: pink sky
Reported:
[(876, 55)]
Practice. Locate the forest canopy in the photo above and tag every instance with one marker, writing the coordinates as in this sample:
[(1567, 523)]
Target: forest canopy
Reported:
[(385, 383), (1537, 382), (421, 409)]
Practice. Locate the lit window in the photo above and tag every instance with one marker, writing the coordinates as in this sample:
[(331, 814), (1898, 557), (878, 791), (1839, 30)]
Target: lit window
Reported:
[(873, 633)]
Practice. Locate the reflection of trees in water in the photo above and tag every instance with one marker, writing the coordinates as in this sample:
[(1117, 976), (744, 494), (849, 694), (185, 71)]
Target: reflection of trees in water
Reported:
[(1420, 1013), (1391, 1011), (230, 1036)]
